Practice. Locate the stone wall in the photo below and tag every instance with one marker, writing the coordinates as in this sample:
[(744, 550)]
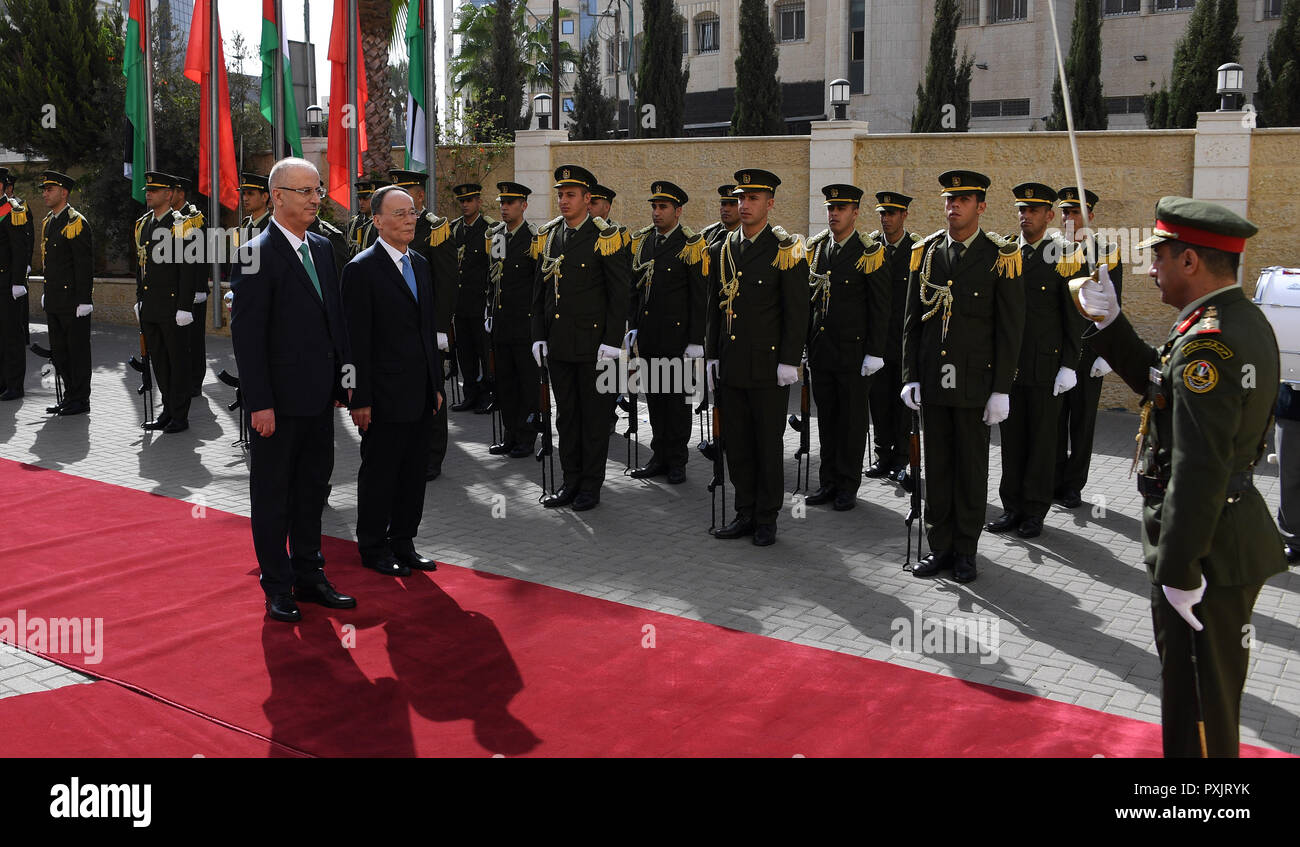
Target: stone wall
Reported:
[(1274, 202)]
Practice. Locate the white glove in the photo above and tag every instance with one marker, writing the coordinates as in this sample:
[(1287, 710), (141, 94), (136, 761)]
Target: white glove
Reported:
[(443, 344), (604, 351), (871, 364), (19, 291), (201, 297), (137, 312), (84, 309), (1183, 601), (229, 298), (997, 408), (711, 372), (1099, 298), (1100, 368), (1066, 379), (629, 340), (487, 325), (42, 301), (694, 351), (184, 318), (539, 350), (911, 395), (786, 375)]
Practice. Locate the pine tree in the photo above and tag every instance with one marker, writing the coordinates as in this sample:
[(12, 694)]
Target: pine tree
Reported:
[(943, 100), (1210, 40), (661, 79), (1278, 78), (1083, 72), (758, 90), (593, 111)]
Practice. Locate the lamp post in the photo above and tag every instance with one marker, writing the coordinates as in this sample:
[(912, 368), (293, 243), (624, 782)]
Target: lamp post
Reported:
[(315, 117), (840, 98), (1231, 78), (542, 105)]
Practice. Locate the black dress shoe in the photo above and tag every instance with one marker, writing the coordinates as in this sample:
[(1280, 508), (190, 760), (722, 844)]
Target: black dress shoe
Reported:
[(845, 501), (387, 565), (281, 607), (878, 470), (1008, 520), (1071, 500), (176, 426), (154, 425), (904, 478), (1291, 551), (324, 594), (585, 501), (1030, 528), (11, 394), (54, 410), (563, 497), (502, 449), (821, 496), (78, 408), (738, 528), (764, 535), (963, 568), (520, 451), (651, 469), (676, 476), (932, 564), (414, 560), (465, 405)]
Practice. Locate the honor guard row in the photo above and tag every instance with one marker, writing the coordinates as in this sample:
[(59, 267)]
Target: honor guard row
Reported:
[(16, 243)]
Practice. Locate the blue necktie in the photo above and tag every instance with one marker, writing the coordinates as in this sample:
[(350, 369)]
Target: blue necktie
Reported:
[(409, 276)]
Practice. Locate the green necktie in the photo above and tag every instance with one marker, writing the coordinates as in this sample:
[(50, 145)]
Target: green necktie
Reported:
[(311, 268)]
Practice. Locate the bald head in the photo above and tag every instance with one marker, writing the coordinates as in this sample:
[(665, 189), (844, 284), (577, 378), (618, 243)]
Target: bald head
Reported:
[(295, 194)]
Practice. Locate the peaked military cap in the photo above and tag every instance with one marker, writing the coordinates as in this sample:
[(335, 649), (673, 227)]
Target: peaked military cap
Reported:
[(956, 182), (1033, 194), (365, 187), (891, 200), (466, 190), (185, 184), (4, 176), (1070, 197), (838, 192), (1201, 223), (661, 190), (507, 190), (158, 179), (56, 178), (725, 194), (755, 179), (600, 192), (254, 182), (408, 179), (574, 175)]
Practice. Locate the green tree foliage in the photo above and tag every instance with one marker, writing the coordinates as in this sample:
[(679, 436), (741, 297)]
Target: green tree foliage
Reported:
[(943, 100), (758, 90), (1210, 40), (593, 110), (1278, 78), (1082, 72), (663, 75)]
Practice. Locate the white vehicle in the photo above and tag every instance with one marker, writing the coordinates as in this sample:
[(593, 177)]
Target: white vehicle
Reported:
[(1278, 295)]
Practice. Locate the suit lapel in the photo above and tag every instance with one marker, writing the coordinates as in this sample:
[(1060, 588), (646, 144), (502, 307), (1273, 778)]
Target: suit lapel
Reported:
[(299, 272), (391, 271)]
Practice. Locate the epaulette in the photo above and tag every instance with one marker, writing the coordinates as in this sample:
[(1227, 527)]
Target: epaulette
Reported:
[(696, 252), (1111, 254), (873, 254), (439, 231), (918, 249), (491, 233), (1071, 257), (791, 252), (915, 236), (532, 230), (549, 225), (17, 212), (329, 228), (490, 220), (816, 239), (1009, 264), (638, 237), (75, 224), (1206, 320), (193, 222), (612, 238), (873, 235), (494, 228), (688, 232)]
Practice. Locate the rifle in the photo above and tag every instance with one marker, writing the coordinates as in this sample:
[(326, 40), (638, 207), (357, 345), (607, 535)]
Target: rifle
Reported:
[(450, 368), (144, 366), (541, 423), (917, 509), (803, 426), (628, 403), (493, 407), (702, 413), (58, 381), (230, 379), (717, 453)]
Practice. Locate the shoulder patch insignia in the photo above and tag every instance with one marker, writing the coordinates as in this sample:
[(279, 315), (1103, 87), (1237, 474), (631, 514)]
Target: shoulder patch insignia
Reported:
[(1200, 376), (1209, 322), (1213, 345)]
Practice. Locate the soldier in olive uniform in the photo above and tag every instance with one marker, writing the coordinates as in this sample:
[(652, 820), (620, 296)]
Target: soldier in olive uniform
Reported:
[(728, 216), (196, 229), (365, 189), (67, 259), (1208, 540), (469, 232), (961, 342), (1079, 410), (513, 272), (433, 241), (255, 192), (667, 320), (164, 294), (1049, 351), (16, 237), (579, 311), (601, 202), (846, 341), (889, 417), (757, 315), (338, 242)]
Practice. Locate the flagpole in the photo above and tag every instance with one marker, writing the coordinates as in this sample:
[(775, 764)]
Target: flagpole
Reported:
[(148, 88), (277, 87), (214, 158), (354, 138), (430, 107)]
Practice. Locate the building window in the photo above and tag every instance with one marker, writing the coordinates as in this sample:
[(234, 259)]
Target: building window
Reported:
[(568, 104), (789, 21), (1125, 105), (1272, 9), (611, 57), (1009, 10), (566, 27), (1173, 5), (857, 46), (970, 12), (706, 33), (1111, 8), (686, 38), (999, 108)]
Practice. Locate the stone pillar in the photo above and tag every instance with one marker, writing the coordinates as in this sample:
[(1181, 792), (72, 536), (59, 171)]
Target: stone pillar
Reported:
[(1221, 167), (831, 151), (533, 169)]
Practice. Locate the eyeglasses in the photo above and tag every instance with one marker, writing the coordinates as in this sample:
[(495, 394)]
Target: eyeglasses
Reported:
[(305, 192), (400, 214)]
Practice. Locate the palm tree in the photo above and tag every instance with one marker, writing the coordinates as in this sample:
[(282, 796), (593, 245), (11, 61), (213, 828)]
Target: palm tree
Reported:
[(380, 20)]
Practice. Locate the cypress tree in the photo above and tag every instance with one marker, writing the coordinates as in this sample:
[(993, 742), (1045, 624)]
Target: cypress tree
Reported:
[(504, 97), (1082, 71), (758, 91), (1210, 40), (943, 100), (1278, 78), (593, 111), (661, 79)]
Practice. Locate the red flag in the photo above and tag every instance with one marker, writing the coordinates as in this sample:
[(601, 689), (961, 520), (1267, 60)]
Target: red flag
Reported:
[(197, 68), (340, 189)]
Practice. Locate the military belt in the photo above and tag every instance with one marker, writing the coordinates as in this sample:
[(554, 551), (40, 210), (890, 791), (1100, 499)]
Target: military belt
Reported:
[(1239, 483)]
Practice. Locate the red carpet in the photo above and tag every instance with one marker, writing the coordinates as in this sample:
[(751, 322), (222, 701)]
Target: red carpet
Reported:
[(460, 664)]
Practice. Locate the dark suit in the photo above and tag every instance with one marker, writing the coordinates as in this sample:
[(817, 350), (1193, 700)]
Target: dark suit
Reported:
[(290, 344), (512, 277), (393, 341), (68, 264), (433, 242), (889, 416), (471, 337), (162, 289), (15, 252)]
